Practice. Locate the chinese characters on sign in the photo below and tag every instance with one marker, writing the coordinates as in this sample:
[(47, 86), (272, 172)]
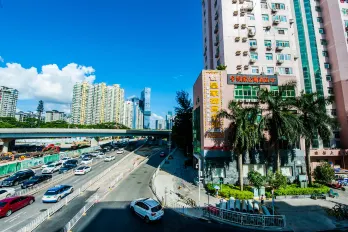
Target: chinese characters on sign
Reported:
[(239, 79), (212, 104)]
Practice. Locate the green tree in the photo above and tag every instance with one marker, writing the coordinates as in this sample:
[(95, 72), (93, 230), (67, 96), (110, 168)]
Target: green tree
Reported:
[(221, 67), (279, 118), (324, 173), (40, 110), (316, 122), (245, 132), (276, 180), (256, 179), (182, 128)]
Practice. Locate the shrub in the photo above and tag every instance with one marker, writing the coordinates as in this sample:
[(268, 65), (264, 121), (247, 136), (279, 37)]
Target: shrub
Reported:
[(228, 191), (276, 180), (256, 179), (324, 173), (291, 190)]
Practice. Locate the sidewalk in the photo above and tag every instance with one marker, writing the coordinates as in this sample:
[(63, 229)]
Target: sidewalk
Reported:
[(175, 178)]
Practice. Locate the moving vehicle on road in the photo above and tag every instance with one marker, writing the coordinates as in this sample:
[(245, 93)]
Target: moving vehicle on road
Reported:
[(50, 169), (12, 204), (49, 163), (101, 156), (72, 161), (87, 160), (120, 151), (17, 178), (82, 170), (6, 193), (63, 160), (35, 180), (109, 158), (56, 193), (67, 167), (162, 154), (147, 208)]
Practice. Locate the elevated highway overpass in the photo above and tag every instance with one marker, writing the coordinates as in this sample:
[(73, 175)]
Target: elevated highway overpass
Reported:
[(9, 134)]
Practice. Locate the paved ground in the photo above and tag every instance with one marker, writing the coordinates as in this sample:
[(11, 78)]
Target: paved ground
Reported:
[(113, 214)]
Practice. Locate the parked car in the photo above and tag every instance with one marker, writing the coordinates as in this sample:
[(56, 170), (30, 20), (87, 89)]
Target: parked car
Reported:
[(12, 204), (109, 158), (67, 167), (35, 180), (56, 193), (72, 161), (6, 193), (17, 178), (50, 169), (147, 208), (46, 164), (82, 170), (162, 154), (87, 161)]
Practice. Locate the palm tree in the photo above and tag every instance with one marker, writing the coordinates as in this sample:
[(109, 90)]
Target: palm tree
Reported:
[(315, 120), (279, 118), (245, 131), (40, 109)]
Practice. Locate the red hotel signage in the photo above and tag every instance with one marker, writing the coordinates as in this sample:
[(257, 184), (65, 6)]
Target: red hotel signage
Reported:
[(241, 79)]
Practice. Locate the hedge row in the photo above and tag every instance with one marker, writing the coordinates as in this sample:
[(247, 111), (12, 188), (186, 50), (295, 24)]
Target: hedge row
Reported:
[(295, 190), (228, 191)]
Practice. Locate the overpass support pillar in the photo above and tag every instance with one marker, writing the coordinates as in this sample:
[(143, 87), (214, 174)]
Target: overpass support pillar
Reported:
[(7, 145)]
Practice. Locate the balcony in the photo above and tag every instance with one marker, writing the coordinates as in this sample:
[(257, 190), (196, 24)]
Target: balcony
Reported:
[(251, 33), (235, 13), (245, 53), (291, 21), (239, 66), (234, 1), (244, 39), (252, 60), (238, 53), (276, 21), (243, 26), (253, 47), (236, 26), (246, 67), (237, 39)]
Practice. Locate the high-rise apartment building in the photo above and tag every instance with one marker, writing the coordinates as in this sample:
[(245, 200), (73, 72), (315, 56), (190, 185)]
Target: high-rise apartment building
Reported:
[(133, 114), (127, 119), (160, 124), (146, 106), (54, 115), (93, 104), (8, 101), (169, 120)]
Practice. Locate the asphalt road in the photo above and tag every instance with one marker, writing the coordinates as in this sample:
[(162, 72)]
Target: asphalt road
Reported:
[(113, 214), (22, 217)]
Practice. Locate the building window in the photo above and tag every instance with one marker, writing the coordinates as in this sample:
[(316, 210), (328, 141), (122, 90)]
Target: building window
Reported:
[(252, 42), (282, 31), (278, 6), (254, 55), (251, 16), (265, 17), (337, 134), (282, 43), (327, 65), (318, 9), (325, 53), (346, 23), (281, 18), (319, 19), (254, 69), (264, 5), (286, 171), (270, 70), (333, 112), (283, 70), (286, 91), (268, 43), (269, 56), (328, 78), (323, 42), (344, 11), (283, 57), (330, 90), (246, 92), (321, 31)]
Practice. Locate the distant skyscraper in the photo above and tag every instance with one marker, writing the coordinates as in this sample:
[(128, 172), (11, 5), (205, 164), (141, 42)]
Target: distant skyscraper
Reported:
[(8, 101), (160, 124), (169, 120), (146, 106), (127, 118), (54, 115), (93, 104), (133, 114)]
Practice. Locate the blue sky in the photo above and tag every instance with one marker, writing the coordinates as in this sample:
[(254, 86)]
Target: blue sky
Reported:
[(137, 44)]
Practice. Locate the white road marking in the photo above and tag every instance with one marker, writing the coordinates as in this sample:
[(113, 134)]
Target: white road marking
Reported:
[(13, 226), (14, 217), (76, 181)]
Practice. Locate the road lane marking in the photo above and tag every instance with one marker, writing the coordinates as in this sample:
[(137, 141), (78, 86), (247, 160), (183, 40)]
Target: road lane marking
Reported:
[(75, 181), (13, 225), (14, 217)]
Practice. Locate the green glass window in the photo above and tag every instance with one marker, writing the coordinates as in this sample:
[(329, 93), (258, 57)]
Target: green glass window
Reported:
[(283, 57), (321, 31), (281, 18), (325, 53), (283, 43), (319, 19), (268, 43), (251, 17), (246, 92), (254, 55), (269, 56), (265, 17), (252, 42), (327, 65), (286, 91), (278, 6), (270, 71), (317, 8), (328, 77), (344, 11), (323, 42)]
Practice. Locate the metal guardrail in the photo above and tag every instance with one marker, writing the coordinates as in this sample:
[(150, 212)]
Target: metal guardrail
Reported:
[(244, 219)]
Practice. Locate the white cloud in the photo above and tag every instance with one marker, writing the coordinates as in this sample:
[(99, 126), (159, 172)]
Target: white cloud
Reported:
[(51, 84), (156, 117), (1, 59)]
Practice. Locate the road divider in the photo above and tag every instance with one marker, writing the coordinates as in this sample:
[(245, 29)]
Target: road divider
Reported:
[(57, 206)]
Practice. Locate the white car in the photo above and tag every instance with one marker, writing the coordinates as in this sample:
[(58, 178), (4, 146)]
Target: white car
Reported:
[(101, 156), (109, 158), (82, 170), (120, 151), (147, 208), (51, 168), (63, 160), (49, 163), (56, 193), (87, 160), (6, 193)]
